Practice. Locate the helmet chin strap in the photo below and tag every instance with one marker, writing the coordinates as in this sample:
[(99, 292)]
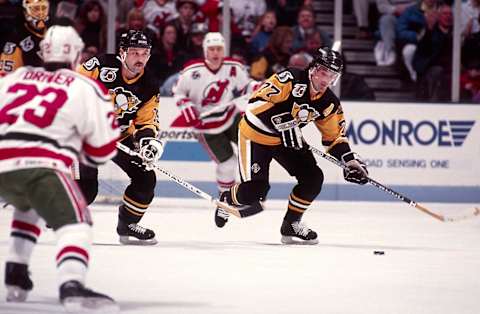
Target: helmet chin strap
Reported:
[(123, 58), (312, 85)]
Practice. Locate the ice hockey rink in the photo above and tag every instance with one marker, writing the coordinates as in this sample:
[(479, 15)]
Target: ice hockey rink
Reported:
[(427, 267)]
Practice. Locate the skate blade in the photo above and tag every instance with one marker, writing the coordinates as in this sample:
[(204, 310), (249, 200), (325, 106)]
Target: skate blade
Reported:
[(296, 241), (128, 240), (90, 305), (16, 294)]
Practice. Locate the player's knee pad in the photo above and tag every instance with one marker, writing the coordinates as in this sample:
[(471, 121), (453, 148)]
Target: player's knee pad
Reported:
[(252, 191), (142, 188), (311, 183)]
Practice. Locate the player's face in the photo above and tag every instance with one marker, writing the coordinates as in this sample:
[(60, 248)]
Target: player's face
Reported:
[(215, 55), (137, 58), (321, 77), (38, 11)]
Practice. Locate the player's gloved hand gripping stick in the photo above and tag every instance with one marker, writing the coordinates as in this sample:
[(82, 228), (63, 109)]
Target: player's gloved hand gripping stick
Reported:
[(471, 213)]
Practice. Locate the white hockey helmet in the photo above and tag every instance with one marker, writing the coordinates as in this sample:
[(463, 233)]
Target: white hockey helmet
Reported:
[(212, 39), (61, 44)]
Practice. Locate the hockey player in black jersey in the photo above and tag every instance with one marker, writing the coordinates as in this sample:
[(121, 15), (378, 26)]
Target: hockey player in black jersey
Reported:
[(22, 43), (270, 129), (136, 105)]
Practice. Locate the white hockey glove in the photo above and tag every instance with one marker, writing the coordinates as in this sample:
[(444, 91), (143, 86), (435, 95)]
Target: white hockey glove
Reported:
[(290, 133), (150, 150), (356, 171)]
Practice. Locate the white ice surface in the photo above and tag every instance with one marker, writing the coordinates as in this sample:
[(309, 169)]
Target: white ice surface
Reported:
[(429, 267)]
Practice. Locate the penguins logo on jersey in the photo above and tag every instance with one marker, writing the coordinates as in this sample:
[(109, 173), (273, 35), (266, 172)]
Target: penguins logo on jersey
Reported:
[(27, 44), (9, 48), (125, 101), (304, 113), (108, 75), (91, 63)]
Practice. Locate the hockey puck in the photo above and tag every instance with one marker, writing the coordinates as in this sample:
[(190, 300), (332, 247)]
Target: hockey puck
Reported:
[(379, 252)]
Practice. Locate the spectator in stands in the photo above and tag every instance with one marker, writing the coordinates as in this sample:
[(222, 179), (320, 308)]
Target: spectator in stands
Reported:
[(166, 58), (183, 23), (246, 14), (66, 9), (470, 22), (91, 24), (389, 10), (306, 25), (300, 60), (313, 42), (262, 32), (195, 41), (158, 13), (275, 56), (136, 21), (433, 57), (410, 27), (360, 10), (287, 10), (470, 81), (123, 8)]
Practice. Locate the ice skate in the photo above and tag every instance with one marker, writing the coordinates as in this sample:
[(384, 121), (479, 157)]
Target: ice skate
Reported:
[(78, 299), (297, 233), (134, 234), (17, 282)]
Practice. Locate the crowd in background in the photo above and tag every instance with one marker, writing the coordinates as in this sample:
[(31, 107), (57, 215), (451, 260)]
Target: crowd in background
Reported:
[(269, 35)]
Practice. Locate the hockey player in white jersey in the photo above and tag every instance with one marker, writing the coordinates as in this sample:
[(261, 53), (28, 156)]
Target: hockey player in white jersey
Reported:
[(204, 94), (51, 117)]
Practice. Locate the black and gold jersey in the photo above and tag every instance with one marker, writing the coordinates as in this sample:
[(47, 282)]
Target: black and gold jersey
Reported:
[(136, 101), (285, 99), (21, 48)]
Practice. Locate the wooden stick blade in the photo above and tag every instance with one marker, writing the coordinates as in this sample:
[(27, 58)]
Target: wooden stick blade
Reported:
[(228, 208)]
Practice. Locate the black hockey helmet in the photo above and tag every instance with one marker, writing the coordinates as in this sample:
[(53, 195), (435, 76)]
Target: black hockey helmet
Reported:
[(136, 39), (330, 59)]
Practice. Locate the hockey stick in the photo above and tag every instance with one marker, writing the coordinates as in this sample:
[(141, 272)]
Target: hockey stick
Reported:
[(378, 185), (188, 186)]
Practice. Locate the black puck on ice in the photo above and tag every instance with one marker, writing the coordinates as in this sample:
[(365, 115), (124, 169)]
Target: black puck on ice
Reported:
[(379, 252)]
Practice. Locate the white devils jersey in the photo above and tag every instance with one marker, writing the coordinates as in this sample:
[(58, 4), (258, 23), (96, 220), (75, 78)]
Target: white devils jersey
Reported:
[(207, 90), (157, 16), (52, 119)]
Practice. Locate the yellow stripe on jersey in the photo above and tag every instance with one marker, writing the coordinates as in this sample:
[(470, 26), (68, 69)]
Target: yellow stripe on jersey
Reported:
[(264, 106), (91, 74), (332, 128), (255, 136), (10, 62), (244, 158), (273, 90), (148, 115)]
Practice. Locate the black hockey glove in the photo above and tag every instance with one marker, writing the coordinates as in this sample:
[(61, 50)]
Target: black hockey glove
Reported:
[(290, 133), (356, 171)]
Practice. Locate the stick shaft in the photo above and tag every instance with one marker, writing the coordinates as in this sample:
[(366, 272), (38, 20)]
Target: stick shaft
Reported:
[(184, 183), (381, 187)]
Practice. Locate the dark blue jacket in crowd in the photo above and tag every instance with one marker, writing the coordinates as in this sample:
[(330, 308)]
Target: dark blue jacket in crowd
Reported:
[(409, 24)]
